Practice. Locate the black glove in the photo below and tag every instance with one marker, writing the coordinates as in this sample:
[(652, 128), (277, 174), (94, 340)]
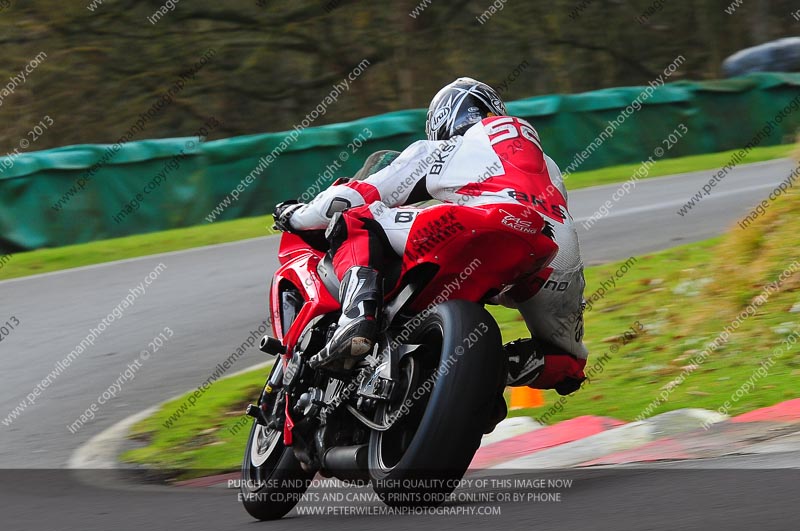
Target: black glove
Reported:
[(283, 215), (568, 385)]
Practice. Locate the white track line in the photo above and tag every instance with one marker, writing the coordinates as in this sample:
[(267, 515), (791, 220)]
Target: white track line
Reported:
[(135, 259), (678, 202)]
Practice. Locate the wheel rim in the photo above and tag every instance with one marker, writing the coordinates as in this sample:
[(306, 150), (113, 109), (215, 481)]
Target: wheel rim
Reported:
[(263, 444), (265, 447), (393, 443), (389, 454)]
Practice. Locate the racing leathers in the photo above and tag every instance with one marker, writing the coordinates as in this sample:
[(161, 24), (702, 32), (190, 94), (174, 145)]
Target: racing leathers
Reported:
[(498, 161)]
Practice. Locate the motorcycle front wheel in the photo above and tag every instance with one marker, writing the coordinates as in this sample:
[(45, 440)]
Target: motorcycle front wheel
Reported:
[(272, 479)]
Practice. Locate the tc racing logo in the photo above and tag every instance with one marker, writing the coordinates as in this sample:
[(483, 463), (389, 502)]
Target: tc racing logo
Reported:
[(518, 224)]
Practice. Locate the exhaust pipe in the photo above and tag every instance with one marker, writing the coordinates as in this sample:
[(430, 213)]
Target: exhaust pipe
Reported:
[(347, 463)]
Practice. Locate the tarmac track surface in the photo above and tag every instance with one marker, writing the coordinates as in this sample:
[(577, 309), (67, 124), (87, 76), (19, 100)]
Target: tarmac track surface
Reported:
[(212, 298)]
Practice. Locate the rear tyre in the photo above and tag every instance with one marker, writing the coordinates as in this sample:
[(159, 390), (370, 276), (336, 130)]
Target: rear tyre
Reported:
[(443, 405)]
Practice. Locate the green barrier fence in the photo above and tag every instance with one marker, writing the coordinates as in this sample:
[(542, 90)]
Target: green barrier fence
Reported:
[(89, 192)]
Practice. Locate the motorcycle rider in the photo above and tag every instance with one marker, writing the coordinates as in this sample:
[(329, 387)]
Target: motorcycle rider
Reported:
[(475, 155)]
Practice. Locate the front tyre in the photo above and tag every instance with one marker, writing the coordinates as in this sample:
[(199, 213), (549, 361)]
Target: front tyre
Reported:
[(272, 479), (445, 400)]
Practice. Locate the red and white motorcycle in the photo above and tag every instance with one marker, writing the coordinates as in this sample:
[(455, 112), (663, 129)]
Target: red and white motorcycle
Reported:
[(415, 409)]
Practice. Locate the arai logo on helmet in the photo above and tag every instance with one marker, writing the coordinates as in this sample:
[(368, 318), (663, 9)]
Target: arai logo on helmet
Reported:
[(497, 104), (440, 117)]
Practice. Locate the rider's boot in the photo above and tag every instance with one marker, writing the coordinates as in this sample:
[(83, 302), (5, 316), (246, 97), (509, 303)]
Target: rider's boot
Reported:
[(361, 295), (541, 365), (525, 362)]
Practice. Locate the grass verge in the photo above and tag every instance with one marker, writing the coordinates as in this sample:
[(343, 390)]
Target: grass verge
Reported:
[(207, 437), (683, 297), (46, 260)]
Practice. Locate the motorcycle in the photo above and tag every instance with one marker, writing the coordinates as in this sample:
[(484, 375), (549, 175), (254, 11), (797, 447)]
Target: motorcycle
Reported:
[(409, 417)]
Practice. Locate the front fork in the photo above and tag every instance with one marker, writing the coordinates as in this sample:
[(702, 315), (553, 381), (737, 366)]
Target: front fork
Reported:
[(264, 412)]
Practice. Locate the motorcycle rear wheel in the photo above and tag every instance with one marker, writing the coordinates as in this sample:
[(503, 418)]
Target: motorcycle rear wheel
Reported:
[(419, 461)]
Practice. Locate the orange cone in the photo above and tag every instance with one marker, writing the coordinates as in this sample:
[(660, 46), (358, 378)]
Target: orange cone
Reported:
[(525, 397)]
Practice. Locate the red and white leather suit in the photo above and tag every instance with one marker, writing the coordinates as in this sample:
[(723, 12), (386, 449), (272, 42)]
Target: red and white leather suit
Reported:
[(499, 160)]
